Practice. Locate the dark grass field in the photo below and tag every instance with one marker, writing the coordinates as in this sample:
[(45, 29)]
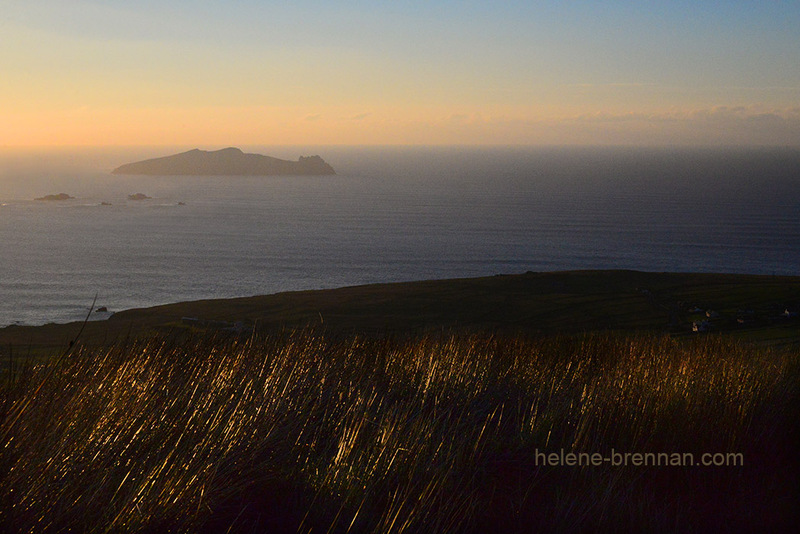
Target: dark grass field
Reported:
[(536, 303), (305, 432), (423, 407)]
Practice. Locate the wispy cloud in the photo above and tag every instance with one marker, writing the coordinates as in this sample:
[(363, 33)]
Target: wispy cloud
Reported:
[(734, 125), (611, 84), (718, 114), (601, 117)]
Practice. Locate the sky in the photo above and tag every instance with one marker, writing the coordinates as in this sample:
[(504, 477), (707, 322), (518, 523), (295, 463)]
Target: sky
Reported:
[(215, 73)]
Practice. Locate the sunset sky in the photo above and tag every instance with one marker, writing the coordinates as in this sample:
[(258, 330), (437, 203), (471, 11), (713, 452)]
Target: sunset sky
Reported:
[(246, 72)]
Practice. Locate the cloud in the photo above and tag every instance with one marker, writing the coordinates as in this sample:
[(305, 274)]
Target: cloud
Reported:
[(719, 126), (313, 117), (468, 119), (718, 114), (624, 117), (737, 125), (610, 84), (360, 116)]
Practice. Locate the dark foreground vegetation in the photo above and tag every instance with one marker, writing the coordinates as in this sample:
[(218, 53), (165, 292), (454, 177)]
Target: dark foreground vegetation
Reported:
[(316, 432)]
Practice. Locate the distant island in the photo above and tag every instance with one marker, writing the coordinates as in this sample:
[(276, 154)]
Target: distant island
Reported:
[(59, 196), (225, 162), (138, 196)]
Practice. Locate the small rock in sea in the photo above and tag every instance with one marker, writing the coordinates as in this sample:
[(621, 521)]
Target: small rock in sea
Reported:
[(101, 309)]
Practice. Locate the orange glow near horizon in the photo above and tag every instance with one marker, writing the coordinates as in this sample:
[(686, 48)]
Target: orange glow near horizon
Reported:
[(224, 126), (112, 74)]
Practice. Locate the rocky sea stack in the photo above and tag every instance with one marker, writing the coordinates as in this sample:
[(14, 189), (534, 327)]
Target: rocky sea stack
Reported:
[(225, 162)]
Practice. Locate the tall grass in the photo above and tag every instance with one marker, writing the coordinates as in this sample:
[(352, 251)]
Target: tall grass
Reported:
[(303, 432)]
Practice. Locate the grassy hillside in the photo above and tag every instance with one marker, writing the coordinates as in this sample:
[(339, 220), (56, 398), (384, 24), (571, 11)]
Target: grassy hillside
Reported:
[(533, 303), (307, 432), (420, 407)]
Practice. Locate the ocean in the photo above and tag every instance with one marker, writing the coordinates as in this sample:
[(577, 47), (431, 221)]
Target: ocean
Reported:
[(390, 214)]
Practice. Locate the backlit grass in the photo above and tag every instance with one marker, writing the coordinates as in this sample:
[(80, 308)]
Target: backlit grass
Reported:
[(302, 432)]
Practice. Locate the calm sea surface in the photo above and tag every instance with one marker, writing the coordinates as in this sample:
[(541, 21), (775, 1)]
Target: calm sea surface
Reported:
[(389, 215)]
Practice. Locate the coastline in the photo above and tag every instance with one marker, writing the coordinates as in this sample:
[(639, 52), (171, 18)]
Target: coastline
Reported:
[(436, 362), (750, 307)]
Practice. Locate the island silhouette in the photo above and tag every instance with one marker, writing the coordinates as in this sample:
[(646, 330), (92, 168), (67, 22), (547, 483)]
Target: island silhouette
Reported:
[(226, 162), (59, 196)]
